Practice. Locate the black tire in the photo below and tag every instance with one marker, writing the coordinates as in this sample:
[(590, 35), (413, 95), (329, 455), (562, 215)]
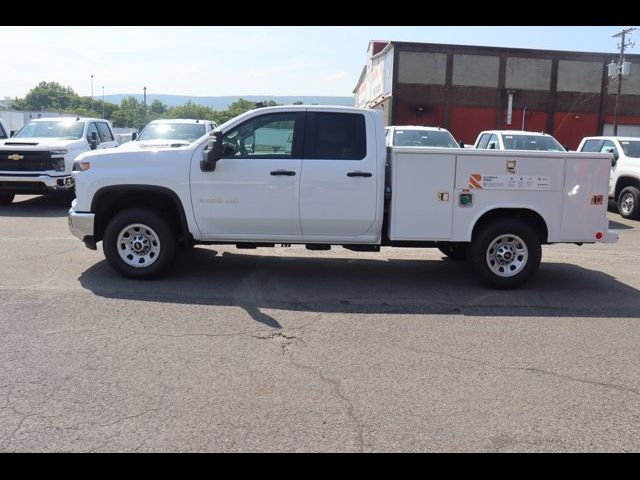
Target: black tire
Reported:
[(478, 253), (6, 198), (166, 239), (455, 251), (629, 203)]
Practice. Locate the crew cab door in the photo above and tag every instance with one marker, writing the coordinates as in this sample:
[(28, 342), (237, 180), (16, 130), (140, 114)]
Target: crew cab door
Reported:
[(254, 190), (338, 187)]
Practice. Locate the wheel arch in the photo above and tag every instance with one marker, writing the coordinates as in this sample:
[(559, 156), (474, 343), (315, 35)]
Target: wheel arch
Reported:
[(623, 182), (108, 201), (529, 215)]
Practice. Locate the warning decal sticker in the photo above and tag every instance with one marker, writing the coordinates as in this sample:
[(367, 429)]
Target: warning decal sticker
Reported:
[(478, 181)]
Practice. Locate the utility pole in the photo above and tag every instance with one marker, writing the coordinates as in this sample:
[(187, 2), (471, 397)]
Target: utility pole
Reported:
[(145, 104), (623, 45), (91, 92), (103, 101)]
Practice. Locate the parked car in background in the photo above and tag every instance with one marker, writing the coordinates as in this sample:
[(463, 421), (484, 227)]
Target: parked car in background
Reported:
[(517, 140), (419, 136), (170, 133), (38, 159), (624, 182), (4, 131)]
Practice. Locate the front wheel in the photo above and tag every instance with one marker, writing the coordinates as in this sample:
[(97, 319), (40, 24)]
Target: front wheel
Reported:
[(6, 198), (139, 244), (505, 254), (629, 203)]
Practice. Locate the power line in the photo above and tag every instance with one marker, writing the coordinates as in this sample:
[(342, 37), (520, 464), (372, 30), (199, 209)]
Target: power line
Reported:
[(623, 45)]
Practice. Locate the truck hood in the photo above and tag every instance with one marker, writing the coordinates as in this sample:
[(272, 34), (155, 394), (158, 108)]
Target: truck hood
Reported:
[(37, 143), (153, 144)]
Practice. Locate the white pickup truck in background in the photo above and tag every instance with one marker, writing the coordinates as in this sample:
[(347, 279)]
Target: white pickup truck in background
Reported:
[(624, 180), (333, 182), (517, 140), (169, 133), (38, 159), (419, 136)]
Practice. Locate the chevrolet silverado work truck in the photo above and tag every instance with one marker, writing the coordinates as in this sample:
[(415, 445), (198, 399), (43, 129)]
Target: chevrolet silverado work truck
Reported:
[(38, 159), (322, 176)]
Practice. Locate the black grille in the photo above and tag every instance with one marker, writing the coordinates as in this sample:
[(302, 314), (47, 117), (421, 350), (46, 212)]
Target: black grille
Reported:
[(30, 161)]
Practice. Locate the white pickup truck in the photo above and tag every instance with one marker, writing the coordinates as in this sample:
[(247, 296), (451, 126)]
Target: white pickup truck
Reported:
[(624, 182), (39, 157), (333, 181)]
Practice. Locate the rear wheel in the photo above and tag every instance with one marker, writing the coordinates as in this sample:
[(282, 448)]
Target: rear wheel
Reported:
[(505, 254), (139, 243), (6, 198), (629, 203), (455, 251)]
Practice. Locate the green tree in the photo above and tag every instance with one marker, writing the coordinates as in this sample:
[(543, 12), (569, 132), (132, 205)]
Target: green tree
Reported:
[(130, 114), (298, 102), (158, 107), (47, 96), (191, 110)]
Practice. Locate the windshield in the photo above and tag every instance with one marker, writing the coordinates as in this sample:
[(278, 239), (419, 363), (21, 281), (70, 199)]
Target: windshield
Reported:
[(631, 148), (69, 130), (424, 138), (531, 142), (173, 131)]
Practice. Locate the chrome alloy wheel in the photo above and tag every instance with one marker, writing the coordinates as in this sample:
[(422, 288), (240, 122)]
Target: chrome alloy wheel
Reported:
[(627, 203), (138, 245), (507, 255)]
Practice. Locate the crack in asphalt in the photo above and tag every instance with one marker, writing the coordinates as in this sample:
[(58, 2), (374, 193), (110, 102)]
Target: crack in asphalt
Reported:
[(614, 386), (285, 343)]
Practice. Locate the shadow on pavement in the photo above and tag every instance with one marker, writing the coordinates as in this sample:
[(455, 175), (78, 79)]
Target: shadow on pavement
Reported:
[(39, 206), (348, 285), (619, 226)]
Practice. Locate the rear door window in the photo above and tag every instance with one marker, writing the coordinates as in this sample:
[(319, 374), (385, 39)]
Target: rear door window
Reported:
[(335, 136)]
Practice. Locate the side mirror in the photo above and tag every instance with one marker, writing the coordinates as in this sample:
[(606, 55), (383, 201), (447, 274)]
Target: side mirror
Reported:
[(492, 146), (134, 136), (93, 143), (461, 143), (566, 147), (614, 158), (212, 153), (12, 133)]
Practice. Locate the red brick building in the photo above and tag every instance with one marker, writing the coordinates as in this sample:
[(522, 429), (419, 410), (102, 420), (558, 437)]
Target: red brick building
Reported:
[(467, 89)]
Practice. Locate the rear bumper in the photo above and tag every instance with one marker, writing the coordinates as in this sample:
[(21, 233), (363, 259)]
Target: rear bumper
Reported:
[(611, 236), (35, 184), (81, 226)]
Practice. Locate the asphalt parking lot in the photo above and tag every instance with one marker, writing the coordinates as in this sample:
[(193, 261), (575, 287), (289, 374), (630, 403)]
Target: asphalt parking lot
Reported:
[(291, 350)]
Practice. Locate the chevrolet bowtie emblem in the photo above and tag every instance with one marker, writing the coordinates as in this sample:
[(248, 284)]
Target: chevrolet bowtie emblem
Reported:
[(15, 156)]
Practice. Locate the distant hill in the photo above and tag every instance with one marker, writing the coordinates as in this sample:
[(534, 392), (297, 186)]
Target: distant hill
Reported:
[(221, 103)]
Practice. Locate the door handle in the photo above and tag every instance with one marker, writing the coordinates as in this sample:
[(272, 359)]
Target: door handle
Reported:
[(358, 174), (286, 173)]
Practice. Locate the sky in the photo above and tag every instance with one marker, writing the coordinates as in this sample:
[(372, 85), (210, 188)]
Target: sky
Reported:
[(212, 61)]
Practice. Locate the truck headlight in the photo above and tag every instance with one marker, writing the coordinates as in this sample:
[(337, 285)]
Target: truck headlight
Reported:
[(62, 151), (58, 164), (80, 166)]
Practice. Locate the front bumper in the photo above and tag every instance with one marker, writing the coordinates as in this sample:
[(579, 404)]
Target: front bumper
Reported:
[(81, 226), (35, 184)]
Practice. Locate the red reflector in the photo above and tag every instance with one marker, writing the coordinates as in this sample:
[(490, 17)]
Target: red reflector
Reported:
[(599, 236)]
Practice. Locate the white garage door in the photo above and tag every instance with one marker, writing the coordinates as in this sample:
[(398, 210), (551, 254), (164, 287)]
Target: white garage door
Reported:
[(623, 130)]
